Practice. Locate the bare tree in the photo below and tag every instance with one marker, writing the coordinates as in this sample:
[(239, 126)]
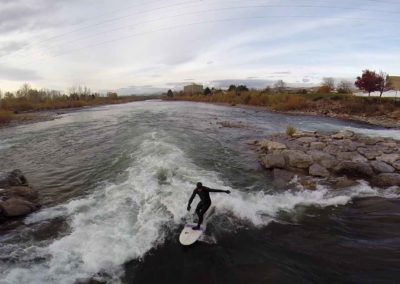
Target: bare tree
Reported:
[(279, 86), (384, 83), (344, 87), (328, 83), (24, 90)]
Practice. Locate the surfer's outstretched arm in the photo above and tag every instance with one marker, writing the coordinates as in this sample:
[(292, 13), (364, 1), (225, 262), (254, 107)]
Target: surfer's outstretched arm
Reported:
[(217, 190), (191, 199)]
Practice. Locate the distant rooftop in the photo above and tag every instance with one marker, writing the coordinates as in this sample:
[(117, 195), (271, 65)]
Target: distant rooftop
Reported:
[(395, 82)]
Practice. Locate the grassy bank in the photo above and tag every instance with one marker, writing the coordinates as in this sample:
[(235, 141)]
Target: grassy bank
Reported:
[(14, 106), (327, 104)]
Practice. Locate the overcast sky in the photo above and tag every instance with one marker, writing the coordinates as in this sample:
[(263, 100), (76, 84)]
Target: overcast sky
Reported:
[(143, 46)]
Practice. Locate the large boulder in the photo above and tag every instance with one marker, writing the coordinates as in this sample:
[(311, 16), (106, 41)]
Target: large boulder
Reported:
[(306, 139), (343, 134), (24, 192), (326, 160), (351, 156), (271, 146), (270, 161), (12, 178), (282, 177), (396, 165), (389, 158), (354, 169), (317, 145), (388, 179), (298, 159), (368, 153), (318, 171), (15, 207), (381, 167)]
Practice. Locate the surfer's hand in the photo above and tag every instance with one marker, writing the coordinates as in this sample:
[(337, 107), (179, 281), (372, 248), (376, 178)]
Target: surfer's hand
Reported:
[(228, 191), (188, 208)]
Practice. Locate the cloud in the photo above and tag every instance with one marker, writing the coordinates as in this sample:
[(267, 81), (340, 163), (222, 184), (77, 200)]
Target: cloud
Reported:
[(140, 90), (10, 46), (18, 74)]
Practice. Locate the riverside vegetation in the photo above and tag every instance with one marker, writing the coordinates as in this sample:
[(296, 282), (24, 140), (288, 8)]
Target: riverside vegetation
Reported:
[(379, 111), (18, 106)]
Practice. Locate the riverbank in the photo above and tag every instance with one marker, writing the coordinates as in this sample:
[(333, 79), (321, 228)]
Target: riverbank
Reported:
[(32, 116), (385, 113)]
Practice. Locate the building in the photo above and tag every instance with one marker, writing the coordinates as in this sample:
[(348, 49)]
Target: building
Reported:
[(193, 89), (394, 82)]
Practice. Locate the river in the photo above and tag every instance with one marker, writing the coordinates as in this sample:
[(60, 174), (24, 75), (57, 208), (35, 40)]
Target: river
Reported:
[(114, 182)]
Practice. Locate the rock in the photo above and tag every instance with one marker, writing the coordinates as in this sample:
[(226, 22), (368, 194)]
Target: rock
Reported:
[(343, 182), (389, 158), (371, 140), (24, 192), (307, 139), (318, 171), (307, 183), (389, 144), (388, 179), (396, 165), (272, 145), (282, 177), (297, 159), (317, 145), (15, 207), (343, 134), (326, 160), (381, 167), (332, 149), (13, 178), (368, 153), (273, 161), (351, 156), (298, 134), (348, 145), (355, 169)]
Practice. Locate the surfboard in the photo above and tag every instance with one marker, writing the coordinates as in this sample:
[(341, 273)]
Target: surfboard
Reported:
[(189, 236)]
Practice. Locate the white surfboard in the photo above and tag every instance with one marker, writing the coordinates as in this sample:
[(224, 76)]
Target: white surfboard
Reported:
[(189, 236)]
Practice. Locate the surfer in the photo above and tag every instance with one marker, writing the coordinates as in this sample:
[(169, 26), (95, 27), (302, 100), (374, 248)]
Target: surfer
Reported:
[(205, 201)]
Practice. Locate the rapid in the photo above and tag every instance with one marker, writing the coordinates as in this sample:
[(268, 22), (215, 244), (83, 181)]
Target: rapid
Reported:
[(115, 180)]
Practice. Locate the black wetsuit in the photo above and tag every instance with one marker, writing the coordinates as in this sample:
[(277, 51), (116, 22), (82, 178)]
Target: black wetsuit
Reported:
[(205, 201)]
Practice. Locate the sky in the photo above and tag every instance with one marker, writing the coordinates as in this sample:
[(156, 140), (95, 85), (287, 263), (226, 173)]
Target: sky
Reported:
[(146, 46)]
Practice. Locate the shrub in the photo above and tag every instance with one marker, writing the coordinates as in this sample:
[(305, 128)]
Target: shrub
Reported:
[(294, 102), (6, 116), (290, 130)]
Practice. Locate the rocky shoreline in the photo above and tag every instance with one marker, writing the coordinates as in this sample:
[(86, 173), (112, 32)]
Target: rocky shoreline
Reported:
[(17, 197), (338, 159)]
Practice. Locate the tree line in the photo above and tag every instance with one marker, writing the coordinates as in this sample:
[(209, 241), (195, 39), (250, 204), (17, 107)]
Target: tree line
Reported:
[(369, 81)]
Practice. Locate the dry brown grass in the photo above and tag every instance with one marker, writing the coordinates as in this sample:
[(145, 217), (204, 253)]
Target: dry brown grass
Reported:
[(6, 116), (315, 102)]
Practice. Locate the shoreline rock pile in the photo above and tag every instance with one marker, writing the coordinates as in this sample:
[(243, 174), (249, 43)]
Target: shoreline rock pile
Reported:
[(333, 156), (17, 198)]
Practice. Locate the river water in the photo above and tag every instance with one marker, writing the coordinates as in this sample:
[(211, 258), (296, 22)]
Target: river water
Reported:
[(114, 182)]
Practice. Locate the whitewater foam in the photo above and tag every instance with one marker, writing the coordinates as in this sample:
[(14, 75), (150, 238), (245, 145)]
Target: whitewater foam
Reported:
[(123, 221)]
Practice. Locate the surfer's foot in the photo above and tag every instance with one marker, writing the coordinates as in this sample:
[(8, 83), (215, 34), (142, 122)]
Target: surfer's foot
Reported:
[(196, 228)]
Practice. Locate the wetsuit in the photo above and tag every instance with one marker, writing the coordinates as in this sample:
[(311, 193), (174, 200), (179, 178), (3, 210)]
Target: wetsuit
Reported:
[(205, 201)]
